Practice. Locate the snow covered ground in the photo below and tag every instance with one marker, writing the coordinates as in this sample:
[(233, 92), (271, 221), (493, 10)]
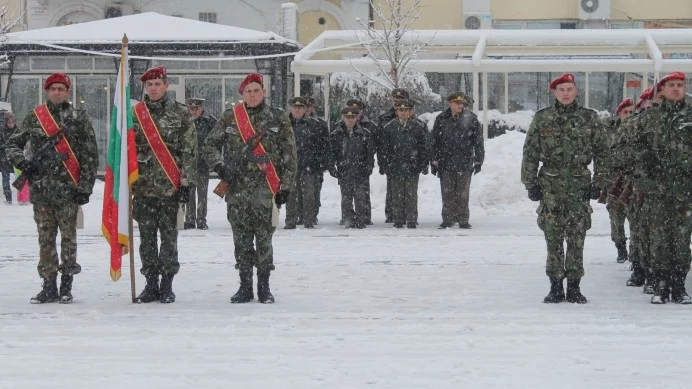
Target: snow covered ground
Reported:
[(373, 308)]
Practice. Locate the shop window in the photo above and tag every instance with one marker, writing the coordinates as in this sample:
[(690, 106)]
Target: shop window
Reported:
[(209, 17)]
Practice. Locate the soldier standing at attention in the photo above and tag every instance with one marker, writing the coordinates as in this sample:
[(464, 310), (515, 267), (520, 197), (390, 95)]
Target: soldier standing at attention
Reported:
[(167, 154), (364, 121), (563, 140), (457, 151), (405, 142), (257, 188), (352, 159), (398, 96), (312, 103), (312, 141), (663, 161), (196, 210), (616, 210), (60, 181)]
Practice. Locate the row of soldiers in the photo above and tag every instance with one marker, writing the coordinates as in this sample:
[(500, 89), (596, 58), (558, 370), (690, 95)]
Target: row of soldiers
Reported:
[(640, 170), (405, 149)]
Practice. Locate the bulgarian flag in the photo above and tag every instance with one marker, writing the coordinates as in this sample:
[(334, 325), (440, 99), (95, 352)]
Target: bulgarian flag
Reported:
[(121, 171)]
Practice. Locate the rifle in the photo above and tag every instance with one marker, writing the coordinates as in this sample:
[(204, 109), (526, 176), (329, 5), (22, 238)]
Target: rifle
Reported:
[(47, 148), (245, 155)]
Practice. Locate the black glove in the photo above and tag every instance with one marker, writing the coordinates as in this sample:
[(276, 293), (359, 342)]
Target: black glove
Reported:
[(433, 170), (424, 171), (81, 198), (382, 172), (335, 173), (281, 197), (535, 193), (225, 173), (593, 194), (28, 168), (476, 168), (182, 195)]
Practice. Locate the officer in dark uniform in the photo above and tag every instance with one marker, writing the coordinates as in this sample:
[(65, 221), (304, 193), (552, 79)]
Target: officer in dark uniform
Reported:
[(312, 103), (196, 209), (364, 121), (398, 95)]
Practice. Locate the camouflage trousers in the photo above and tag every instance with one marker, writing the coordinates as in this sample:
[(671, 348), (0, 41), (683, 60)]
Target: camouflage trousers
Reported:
[(50, 218), (302, 203), (355, 196), (618, 213), (668, 227), (455, 196), (157, 216), (252, 236), (562, 222), (196, 208), (635, 253), (405, 199)]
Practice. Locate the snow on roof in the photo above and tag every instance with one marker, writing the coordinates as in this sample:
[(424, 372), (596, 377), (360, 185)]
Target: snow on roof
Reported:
[(148, 27), (487, 50)]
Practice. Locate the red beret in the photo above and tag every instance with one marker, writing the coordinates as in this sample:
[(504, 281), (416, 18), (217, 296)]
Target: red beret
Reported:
[(57, 78), (648, 94), (567, 77), (252, 77), (158, 72), (670, 76), (625, 103)]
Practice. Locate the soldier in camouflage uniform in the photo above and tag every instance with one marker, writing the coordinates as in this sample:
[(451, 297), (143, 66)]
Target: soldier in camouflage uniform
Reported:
[(155, 198), (565, 138), (196, 210), (54, 193), (663, 160), (616, 210), (251, 203)]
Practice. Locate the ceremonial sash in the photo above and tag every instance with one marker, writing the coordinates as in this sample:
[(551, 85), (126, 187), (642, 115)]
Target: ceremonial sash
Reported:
[(246, 132), (157, 145), (50, 127)]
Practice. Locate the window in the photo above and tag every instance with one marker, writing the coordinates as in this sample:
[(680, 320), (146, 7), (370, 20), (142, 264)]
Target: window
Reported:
[(209, 17)]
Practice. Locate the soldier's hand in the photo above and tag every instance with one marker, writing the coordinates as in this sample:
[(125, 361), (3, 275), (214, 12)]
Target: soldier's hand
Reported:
[(535, 193), (594, 193), (476, 168), (281, 197), (224, 172), (182, 195), (334, 173), (28, 168), (382, 171), (81, 198), (425, 170)]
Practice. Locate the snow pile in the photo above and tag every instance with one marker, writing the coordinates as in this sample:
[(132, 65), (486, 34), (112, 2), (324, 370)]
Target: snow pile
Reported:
[(514, 121)]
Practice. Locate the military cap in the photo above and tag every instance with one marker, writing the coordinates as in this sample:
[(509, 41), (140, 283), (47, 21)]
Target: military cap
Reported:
[(311, 101), (57, 78), (350, 111), (567, 77), (400, 93), (668, 77), (624, 104), (405, 104), (157, 72), (356, 103), (460, 97), (250, 78), (194, 102), (298, 102)]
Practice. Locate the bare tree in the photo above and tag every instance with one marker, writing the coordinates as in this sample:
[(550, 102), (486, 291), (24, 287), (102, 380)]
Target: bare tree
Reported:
[(6, 25), (389, 32)]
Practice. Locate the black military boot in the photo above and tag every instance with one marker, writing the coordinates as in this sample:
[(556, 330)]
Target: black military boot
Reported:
[(245, 293), (678, 294), (264, 295), (151, 290), (166, 295), (622, 252), (557, 292), (638, 276), (66, 288), (574, 293), (49, 291), (650, 283), (662, 290), (8, 196)]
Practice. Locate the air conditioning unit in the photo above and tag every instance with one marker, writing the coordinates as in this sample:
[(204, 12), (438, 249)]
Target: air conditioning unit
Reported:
[(594, 9), (117, 10), (478, 21)]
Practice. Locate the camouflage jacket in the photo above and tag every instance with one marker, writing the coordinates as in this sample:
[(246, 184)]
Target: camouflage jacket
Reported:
[(53, 184), (203, 126), (564, 139), (177, 130), (278, 141), (664, 134)]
